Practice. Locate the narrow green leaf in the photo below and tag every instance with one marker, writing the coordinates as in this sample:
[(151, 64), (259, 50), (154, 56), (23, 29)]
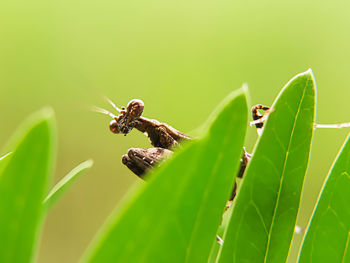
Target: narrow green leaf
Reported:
[(62, 186), (24, 178), (328, 235), (216, 247), (174, 218), (263, 219)]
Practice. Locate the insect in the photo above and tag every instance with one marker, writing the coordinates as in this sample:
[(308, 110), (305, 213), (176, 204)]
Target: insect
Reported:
[(162, 136)]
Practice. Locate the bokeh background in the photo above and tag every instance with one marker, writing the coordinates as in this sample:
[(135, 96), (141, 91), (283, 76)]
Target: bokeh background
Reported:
[(181, 58)]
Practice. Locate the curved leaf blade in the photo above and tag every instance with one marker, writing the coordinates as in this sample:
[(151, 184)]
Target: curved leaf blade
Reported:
[(328, 235), (62, 186), (24, 178), (180, 209), (263, 219)]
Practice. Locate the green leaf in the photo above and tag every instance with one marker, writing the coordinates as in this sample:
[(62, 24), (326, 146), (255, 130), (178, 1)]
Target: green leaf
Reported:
[(263, 219), (328, 235), (62, 186), (4, 156), (175, 216), (24, 179), (216, 247)]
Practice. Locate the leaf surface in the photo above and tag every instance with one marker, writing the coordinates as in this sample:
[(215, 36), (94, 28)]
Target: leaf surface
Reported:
[(328, 235), (24, 178), (263, 219)]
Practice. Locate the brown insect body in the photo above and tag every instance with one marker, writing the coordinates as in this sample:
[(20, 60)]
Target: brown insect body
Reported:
[(124, 122), (140, 160), (257, 115), (162, 136)]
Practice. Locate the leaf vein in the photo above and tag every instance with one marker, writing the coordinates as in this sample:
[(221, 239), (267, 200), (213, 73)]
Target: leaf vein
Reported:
[(283, 170)]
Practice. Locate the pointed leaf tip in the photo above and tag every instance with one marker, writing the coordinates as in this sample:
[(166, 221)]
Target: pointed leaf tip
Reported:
[(47, 111), (245, 87), (24, 178), (62, 186), (309, 71), (262, 223)]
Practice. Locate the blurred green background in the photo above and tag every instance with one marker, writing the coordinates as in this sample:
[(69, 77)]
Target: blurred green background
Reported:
[(181, 58)]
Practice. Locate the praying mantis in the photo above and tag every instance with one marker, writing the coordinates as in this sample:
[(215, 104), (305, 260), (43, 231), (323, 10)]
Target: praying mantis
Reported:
[(162, 137)]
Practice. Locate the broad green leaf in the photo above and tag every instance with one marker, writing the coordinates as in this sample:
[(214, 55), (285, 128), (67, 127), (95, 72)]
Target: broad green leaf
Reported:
[(62, 186), (263, 219), (328, 235), (175, 216), (24, 179)]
